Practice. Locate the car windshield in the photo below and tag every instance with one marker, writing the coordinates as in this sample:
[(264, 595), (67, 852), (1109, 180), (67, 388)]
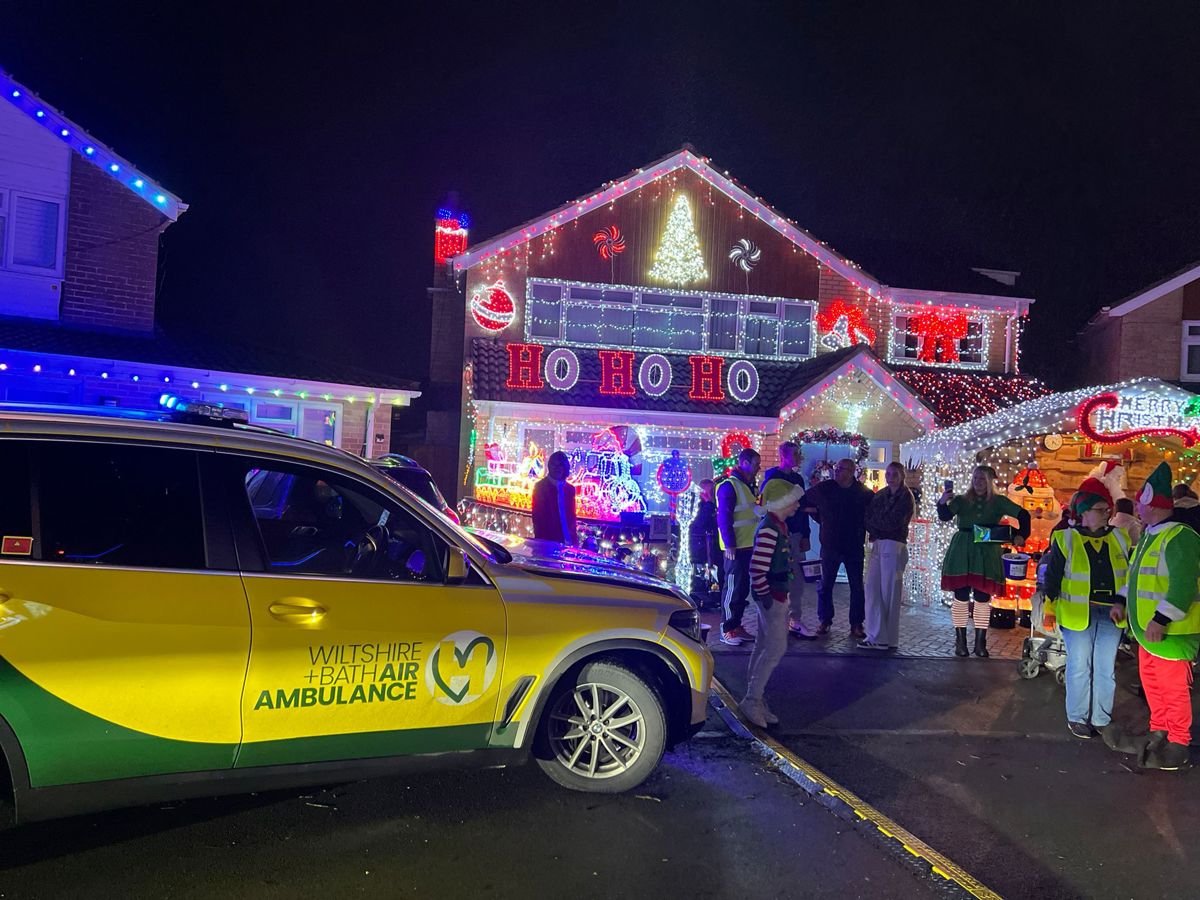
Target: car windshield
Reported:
[(490, 549)]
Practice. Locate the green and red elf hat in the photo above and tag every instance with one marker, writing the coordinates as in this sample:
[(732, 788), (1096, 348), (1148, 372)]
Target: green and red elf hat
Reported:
[(1090, 493), (1156, 492)]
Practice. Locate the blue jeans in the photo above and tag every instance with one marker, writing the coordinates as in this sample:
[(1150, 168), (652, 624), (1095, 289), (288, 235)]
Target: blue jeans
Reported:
[(1091, 655)]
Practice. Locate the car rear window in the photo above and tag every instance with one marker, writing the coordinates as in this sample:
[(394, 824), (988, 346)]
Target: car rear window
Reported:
[(111, 504)]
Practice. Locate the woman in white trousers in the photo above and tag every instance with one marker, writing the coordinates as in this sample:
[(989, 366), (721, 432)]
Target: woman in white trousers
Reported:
[(887, 518)]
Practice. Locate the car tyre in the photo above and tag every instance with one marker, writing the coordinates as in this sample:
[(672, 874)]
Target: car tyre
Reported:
[(603, 731)]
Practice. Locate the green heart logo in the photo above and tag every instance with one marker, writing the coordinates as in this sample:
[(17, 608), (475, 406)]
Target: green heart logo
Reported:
[(462, 657)]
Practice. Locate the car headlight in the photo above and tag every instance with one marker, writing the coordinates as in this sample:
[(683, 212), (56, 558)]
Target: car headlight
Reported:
[(688, 622)]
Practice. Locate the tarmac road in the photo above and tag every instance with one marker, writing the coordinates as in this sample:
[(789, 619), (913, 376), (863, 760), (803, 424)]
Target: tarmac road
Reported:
[(980, 765), (712, 822)]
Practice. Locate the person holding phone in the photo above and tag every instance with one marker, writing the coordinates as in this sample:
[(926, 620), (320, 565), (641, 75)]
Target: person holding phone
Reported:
[(974, 566), (1085, 572)]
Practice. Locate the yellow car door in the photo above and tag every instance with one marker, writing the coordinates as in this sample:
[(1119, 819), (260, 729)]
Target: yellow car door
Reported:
[(124, 632), (362, 647)]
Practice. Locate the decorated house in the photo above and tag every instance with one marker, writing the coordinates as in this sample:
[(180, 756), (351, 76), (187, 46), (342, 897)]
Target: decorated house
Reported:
[(79, 234), (654, 326)]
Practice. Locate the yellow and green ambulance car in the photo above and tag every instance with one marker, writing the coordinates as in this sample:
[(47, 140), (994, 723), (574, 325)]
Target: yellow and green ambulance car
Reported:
[(196, 607)]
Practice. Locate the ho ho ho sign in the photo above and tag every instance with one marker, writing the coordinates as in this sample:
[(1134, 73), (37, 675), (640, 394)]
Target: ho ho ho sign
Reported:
[(623, 374)]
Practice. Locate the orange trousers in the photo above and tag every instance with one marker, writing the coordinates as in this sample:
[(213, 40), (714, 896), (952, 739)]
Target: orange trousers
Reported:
[(1167, 683)]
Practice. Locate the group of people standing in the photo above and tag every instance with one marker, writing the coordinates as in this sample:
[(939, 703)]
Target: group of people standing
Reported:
[(764, 534)]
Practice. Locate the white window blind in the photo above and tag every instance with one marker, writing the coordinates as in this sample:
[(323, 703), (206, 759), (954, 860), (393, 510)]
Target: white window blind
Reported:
[(35, 233)]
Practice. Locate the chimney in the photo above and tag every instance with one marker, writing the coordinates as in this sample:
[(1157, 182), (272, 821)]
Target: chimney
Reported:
[(449, 235)]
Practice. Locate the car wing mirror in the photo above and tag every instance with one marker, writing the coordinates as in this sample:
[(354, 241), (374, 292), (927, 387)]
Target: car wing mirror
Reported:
[(456, 565)]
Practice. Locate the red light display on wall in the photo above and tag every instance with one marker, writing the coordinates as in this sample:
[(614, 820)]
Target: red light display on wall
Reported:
[(706, 378), (525, 367), (616, 373), (940, 331), (449, 238)]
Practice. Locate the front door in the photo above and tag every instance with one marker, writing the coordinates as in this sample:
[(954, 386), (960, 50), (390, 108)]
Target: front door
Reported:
[(123, 643), (361, 648)]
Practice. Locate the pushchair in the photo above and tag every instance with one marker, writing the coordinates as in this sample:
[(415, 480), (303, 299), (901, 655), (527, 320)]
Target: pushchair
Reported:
[(1043, 648)]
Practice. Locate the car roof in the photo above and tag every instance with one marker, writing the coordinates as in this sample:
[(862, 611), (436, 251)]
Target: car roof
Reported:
[(151, 426)]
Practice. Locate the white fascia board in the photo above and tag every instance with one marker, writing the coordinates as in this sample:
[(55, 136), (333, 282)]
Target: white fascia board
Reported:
[(1155, 293), (210, 379), (917, 297)]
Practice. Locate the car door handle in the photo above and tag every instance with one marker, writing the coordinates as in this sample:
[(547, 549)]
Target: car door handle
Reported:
[(296, 610)]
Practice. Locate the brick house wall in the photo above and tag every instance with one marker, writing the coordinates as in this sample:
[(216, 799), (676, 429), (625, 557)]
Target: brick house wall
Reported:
[(1144, 342), (111, 253)]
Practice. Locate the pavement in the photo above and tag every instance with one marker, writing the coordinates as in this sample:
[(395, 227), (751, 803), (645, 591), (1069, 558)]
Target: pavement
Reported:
[(925, 632), (977, 763), (713, 821)]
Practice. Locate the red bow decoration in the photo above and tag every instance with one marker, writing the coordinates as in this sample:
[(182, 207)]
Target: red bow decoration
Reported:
[(940, 333)]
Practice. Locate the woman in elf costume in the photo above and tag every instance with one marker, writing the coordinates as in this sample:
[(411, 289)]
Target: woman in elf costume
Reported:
[(770, 572), (976, 565), (1085, 573)]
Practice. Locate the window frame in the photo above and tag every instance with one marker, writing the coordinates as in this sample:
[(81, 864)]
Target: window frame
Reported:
[(6, 245), (1186, 341), (704, 311), (897, 336)]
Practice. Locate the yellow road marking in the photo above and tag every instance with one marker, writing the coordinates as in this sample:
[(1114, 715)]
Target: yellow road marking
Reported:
[(938, 863)]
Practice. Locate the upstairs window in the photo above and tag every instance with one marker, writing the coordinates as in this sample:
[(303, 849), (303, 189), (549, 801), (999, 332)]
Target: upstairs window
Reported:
[(1189, 367), (908, 341), (31, 233)]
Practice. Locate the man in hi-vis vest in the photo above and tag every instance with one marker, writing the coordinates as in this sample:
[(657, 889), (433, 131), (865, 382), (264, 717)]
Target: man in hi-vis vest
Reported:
[(1163, 608), (736, 524), (1086, 569)]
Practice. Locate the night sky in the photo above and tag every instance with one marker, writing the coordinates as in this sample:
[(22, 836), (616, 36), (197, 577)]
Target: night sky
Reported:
[(1058, 139)]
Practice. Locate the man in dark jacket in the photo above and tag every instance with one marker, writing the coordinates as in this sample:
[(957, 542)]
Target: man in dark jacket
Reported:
[(839, 506), (553, 503), (799, 536)]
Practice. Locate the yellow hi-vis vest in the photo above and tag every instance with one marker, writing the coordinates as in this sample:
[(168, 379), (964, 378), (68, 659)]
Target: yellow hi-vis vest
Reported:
[(1075, 594), (1148, 584), (745, 522)]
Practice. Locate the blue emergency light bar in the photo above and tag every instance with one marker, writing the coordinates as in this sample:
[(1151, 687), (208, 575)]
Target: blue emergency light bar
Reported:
[(202, 413)]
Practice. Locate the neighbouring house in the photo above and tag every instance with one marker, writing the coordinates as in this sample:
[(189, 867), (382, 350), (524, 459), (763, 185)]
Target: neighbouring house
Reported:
[(653, 326), (79, 238), (1154, 333)]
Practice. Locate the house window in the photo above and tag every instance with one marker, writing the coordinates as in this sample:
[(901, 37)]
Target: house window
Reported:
[(591, 315), (906, 342), (1189, 369), (31, 233), (316, 421)]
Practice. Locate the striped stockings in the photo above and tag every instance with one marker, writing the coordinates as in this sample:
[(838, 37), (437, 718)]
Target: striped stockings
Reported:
[(960, 609)]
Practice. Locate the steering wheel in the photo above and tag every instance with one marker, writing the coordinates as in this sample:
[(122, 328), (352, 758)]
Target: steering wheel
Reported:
[(366, 553)]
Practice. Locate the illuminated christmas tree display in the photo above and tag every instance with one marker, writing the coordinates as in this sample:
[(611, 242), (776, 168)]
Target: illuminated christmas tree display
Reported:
[(679, 260)]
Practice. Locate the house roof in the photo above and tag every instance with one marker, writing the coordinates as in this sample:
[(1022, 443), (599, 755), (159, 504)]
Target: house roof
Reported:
[(171, 349), (985, 291), (90, 149), (956, 397), (933, 397), (1150, 293)]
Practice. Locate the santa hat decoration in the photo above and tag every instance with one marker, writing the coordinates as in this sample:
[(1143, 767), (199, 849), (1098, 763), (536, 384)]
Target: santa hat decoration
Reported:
[(1090, 493), (1156, 492), (1112, 474)]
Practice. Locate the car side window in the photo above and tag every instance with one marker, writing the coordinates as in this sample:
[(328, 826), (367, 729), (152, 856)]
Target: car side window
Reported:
[(119, 505), (313, 523)]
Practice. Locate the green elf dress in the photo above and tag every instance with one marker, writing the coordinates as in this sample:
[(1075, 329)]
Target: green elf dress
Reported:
[(978, 565)]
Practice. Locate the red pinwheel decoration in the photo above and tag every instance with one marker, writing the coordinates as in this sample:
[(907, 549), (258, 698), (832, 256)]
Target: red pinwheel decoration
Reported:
[(940, 331), (609, 242)]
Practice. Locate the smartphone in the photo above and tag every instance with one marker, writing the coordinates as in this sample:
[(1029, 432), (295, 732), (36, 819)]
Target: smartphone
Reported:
[(948, 485)]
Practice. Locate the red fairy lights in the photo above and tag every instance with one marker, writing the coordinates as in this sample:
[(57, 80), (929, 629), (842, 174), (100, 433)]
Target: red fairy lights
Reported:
[(940, 331), (854, 330), (609, 242)]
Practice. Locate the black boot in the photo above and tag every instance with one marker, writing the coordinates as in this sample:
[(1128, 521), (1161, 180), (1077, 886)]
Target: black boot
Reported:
[(981, 642), (960, 642)]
